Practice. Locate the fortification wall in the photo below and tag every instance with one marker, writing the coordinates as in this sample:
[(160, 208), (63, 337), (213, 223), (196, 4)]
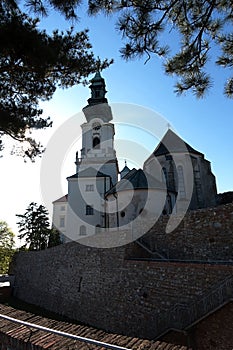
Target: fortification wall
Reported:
[(102, 288), (204, 234)]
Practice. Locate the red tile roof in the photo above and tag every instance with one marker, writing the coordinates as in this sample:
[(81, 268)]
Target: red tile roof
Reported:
[(62, 199)]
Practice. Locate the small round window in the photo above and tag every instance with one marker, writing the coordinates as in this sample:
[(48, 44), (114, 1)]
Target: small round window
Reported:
[(122, 214)]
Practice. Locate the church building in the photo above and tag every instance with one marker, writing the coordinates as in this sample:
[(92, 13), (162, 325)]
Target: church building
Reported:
[(99, 197), (169, 163)]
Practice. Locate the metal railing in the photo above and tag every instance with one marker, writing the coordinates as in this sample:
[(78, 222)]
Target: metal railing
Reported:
[(64, 334), (182, 316), (147, 247)]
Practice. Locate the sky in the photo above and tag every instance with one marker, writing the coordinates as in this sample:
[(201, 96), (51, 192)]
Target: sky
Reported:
[(206, 124)]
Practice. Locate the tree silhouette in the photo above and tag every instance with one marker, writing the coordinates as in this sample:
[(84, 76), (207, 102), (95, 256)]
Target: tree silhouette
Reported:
[(33, 64), (54, 238), (34, 227)]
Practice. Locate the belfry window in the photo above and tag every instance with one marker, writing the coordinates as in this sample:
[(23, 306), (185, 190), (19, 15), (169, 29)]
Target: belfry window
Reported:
[(96, 142)]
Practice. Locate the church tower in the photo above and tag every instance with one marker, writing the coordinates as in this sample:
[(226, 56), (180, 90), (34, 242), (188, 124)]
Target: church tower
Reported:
[(96, 169), (98, 133)]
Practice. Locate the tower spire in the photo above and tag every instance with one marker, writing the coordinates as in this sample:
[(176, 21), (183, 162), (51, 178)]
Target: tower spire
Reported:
[(98, 90), (98, 106)]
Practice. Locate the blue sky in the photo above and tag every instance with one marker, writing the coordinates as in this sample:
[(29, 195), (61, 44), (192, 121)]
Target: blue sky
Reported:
[(206, 124)]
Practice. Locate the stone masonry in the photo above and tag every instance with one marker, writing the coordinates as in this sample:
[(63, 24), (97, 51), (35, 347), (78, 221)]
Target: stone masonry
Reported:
[(118, 291)]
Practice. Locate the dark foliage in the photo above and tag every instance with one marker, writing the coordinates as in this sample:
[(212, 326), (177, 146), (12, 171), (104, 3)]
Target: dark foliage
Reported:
[(33, 64), (54, 238), (34, 227), (201, 26)]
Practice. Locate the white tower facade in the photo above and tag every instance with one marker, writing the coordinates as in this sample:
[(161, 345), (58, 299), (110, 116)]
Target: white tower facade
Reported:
[(96, 168), (98, 133)]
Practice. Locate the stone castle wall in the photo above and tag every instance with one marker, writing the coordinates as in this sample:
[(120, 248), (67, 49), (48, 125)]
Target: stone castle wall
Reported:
[(203, 235), (114, 290)]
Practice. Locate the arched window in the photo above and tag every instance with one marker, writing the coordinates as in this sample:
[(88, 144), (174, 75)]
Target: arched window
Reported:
[(169, 204), (197, 182), (89, 210), (97, 229), (96, 142), (181, 184), (164, 175), (82, 230), (171, 180)]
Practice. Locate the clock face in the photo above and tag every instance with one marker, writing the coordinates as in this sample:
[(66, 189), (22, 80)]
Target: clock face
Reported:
[(96, 126)]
